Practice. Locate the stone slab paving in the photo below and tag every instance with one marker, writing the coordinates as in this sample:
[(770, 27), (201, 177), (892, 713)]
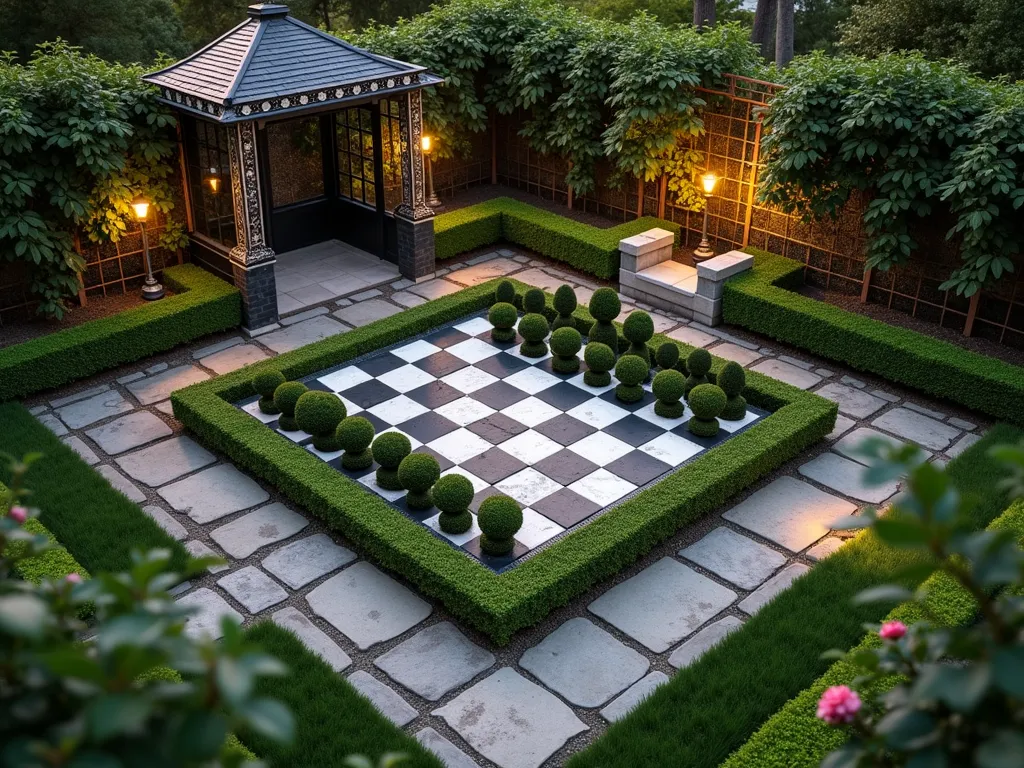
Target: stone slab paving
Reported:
[(313, 638), (214, 493), (161, 463), (824, 548), (121, 483), (266, 525), (129, 432), (450, 755), (736, 353), (253, 588), (301, 334), (847, 477), (174, 529), (776, 584), (435, 661), (93, 409), (787, 372), (704, 640), (735, 558), (962, 445), (366, 312), (211, 610), (234, 358), (306, 560), (843, 425), (385, 699), (79, 446), (159, 387), (917, 428), (633, 696), (851, 401)]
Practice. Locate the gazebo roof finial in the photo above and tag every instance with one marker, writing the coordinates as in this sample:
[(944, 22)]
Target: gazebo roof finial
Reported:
[(267, 10)]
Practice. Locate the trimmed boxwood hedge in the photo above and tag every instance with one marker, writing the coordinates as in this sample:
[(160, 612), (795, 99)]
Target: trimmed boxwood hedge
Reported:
[(497, 605), (202, 304), (585, 247), (763, 300)]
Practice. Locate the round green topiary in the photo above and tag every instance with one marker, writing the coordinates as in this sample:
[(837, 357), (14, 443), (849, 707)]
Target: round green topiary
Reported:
[(669, 386), (638, 330), (265, 384), (698, 363), (505, 293), (667, 356), (706, 402), (605, 305), (503, 317), (319, 413), (500, 518), (565, 344), (388, 449), (285, 398), (732, 379), (600, 360), (533, 328), (630, 371), (355, 434), (452, 495), (565, 305), (533, 301), (417, 473)]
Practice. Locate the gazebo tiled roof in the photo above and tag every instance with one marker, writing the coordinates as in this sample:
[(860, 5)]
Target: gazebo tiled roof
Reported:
[(273, 64)]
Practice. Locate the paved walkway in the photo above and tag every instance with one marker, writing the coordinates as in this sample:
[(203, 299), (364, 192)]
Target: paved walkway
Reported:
[(585, 665)]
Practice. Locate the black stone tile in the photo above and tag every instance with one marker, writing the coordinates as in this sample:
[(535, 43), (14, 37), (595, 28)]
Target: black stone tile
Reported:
[(428, 426), (493, 466), (354, 474), (497, 428), (492, 562), (379, 425), (564, 396), (499, 395), (441, 460), (381, 364), (313, 384), (565, 467), (548, 365), (502, 365), (440, 364), (706, 442), (565, 430), (486, 336), (634, 430), (566, 507), (434, 395), (646, 400), (638, 467), (486, 493), (446, 337), (369, 393), (419, 515)]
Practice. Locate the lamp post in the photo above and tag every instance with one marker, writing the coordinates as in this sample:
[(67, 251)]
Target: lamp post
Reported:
[(704, 251), (432, 199), (151, 289)]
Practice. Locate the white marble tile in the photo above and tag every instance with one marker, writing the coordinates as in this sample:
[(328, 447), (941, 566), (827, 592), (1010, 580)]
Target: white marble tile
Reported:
[(537, 529), (532, 380), (473, 350), (413, 442), (647, 414), (370, 481), (514, 351), (253, 409), (295, 435), (469, 379), (455, 538), (474, 327), (398, 409), (530, 447), (477, 483), (602, 487), (577, 381), (672, 449), (406, 378), (527, 486), (531, 411), (601, 448), (598, 413), (344, 379), (732, 426), (325, 455), (351, 408), (416, 351), (460, 445), (464, 411)]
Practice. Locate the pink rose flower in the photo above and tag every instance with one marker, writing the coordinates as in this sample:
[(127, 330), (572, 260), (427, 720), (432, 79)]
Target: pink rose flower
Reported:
[(892, 630), (18, 514), (73, 578), (838, 705)]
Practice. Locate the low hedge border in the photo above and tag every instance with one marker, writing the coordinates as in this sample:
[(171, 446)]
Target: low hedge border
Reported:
[(97, 525), (794, 737), (710, 708), (202, 304), (591, 249), (764, 300), (496, 605)]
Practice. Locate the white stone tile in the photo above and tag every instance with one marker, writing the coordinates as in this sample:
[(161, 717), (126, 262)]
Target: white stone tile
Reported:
[(469, 379), (305, 560), (413, 442), (473, 350), (601, 448), (253, 409), (530, 446), (531, 411), (211, 609), (344, 379), (398, 409), (464, 411), (598, 413), (370, 481), (417, 350), (253, 588), (647, 414), (731, 426), (528, 486), (514, 351), (602, 487), (458, 539), (474, 327), (460, 445), (735, 558), (532, 380), (577, 381), (537, 529), (406, 378), (672, 449), (476, 482), (266, 525)]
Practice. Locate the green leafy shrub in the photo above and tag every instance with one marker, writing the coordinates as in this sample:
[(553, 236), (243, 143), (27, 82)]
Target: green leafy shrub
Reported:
[(417, 473), (319, 413), (503, 317), (500, 518), (505, 293), (533, 328), (698, 363), (533, 301), (600, 360), (732, 379), (265, 384), (638, 330), (452, 495), (707, 402), (286, 397), (604, 307), (565, 344), (388, 449), (355, 436), (631, 372), (565, 304), (669, 386), (667, 355)]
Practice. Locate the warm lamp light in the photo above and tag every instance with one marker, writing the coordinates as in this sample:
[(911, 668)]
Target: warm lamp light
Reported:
[(151, 289), (709, 180), (213, 181), (425, 142), (141, 206)]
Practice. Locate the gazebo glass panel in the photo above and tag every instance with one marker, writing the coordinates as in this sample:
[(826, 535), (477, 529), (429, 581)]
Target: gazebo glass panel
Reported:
[(391, 140), (296, 161), (354, 139), (209, 179)]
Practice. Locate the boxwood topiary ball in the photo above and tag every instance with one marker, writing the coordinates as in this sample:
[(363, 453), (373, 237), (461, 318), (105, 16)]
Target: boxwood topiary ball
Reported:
[(319, 413), (669, 386), (638, 328), (355, 434), (600, 360), (533, 328), (605, 305), (505, 292), (732, 379), (565, 305), (286, 396), (265, 384), (707, 401), (503, 317), (630, 371), (698, 363), (533, 301), (388, 449), (565, 344), (500, 518), (667, 355), (452, 495), (417, 473)]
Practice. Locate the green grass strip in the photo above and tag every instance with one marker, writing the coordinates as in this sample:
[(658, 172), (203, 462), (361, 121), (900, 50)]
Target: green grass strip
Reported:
[(709, 709), (764, 300), (332, 719), (794, 737), (55, 563), (202, 304), (583, 246), (98, 525)]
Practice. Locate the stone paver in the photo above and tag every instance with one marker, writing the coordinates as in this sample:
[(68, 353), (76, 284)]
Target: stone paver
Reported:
[(434, 289), (917, 428), (633, 696), (211, 609), (121, 483), (407, 299), (214, 493), (53, 424), (435, 660), (735, 558), (788, 373), (233, 358), (78, 445), (481, 273), (96, 408), (199, 550), (367, 606), (253, 588), (926, 411), (220, 346), (387, 701), (305, 560), (847, 477), (731, 351), (843, 425), (173, 528), (511, 721), (60, 402), (540, 279), (792, 513), (851, 401), (703, 641), (584, 663), (159, 387), (963, 424), (366, 312), (449, 755), (161, 463), (662, 604), (962, 445), (312, 637), (301, 334), (825, 548), (129, 432), (266, 525), (753, 602)]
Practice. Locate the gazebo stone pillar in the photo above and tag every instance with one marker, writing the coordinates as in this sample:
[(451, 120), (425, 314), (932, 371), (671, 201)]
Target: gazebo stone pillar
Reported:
[(252, 260), (414, 219)]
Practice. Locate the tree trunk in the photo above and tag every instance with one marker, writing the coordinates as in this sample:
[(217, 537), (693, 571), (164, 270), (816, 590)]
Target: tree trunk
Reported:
[(703, 13), (784, 32), (763, 25)]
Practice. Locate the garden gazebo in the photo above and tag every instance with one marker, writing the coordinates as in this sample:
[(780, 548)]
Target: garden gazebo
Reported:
[(292, 137)]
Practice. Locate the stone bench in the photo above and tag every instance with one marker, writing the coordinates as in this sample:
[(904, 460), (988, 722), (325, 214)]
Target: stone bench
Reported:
[(648, 274)]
